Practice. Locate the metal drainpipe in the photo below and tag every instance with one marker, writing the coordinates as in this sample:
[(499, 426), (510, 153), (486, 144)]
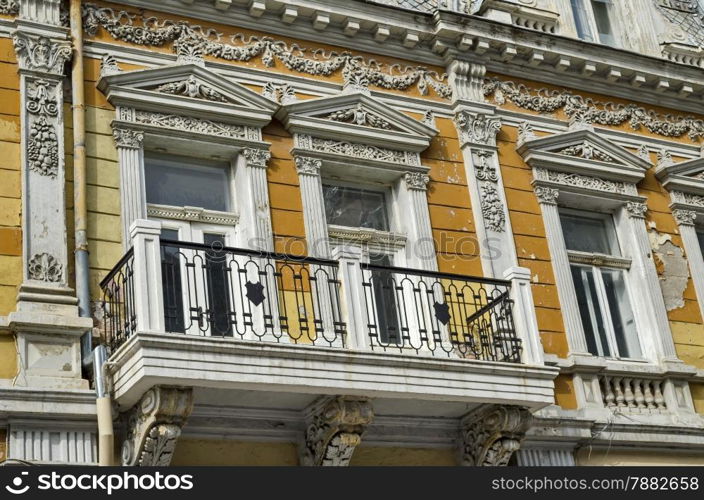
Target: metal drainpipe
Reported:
[(80, 209)]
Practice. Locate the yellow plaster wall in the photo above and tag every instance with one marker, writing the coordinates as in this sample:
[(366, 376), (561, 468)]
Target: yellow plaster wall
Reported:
[(3, 445), (222, 452), (395, 456), (587, 456)]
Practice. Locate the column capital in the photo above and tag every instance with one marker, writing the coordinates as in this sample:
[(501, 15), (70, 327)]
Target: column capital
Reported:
[(547, 195), (490, 435), (256, 157), (416, 180), (684, 217), (636, 209), (40, 53), (127, 138), (306, 165), (334, 429), (478, 129)]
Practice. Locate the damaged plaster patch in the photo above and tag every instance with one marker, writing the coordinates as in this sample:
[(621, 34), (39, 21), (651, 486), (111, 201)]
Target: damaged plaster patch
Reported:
[(673, 271)]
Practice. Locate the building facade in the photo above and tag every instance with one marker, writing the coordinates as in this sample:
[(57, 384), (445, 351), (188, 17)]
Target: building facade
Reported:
[(383, 232)]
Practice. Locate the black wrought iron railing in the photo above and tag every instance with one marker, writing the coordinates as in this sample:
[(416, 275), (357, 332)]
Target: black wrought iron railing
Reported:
[(119, 319), (439, 313), (217, 291)]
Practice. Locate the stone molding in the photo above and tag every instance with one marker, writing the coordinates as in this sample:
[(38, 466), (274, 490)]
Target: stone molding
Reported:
[(154, 425), (334, 429)]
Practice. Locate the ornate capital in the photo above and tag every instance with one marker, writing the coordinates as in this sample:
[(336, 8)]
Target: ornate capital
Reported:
[(490, 435), (308, 166), (154, 424), (334, 429), (126, 138), (636, 210), (39, 53), (477, 128), (256, 157), (685, 217), (416, 180), (547, 195)]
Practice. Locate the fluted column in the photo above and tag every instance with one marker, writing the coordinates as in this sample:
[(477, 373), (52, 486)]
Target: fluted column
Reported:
[(547, 197), (133, 197), (685, 220), (313, 206), (253, 194), (421, 253)]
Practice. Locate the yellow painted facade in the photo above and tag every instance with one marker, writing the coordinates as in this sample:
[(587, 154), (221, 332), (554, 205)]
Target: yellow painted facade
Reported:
[(451, 215)]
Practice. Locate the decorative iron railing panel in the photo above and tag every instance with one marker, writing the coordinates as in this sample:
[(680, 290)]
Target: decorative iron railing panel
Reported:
[(118, 302), (439, 313), (228, 292)]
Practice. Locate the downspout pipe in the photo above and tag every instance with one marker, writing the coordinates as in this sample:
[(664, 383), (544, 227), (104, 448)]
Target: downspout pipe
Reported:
[(103, 402), (80, 208)]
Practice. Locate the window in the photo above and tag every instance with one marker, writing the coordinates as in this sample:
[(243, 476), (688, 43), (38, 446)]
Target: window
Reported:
[(592, 19), (354, 207), (184, 182), (598, 272)]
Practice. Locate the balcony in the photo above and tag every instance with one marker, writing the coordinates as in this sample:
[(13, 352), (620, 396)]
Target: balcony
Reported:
[(230, 321)]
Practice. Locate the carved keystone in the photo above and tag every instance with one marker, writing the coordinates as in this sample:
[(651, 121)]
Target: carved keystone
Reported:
[(491, 434), (154, 425), (334, 429)]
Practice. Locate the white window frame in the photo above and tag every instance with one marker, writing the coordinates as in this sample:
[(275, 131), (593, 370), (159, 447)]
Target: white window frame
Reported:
[(592, 26), (596, 262)]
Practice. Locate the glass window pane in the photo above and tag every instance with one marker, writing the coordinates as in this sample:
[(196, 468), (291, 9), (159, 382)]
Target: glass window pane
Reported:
[(624, 322), (352, 207), (171, 282), (700, 235), (589, 234), (385, 298), (603, 23), (175, 182), (217, 284), (590, 311), (581, 20)]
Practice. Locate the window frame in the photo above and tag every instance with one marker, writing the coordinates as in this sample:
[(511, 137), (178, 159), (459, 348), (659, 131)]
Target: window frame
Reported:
[(594, 35)]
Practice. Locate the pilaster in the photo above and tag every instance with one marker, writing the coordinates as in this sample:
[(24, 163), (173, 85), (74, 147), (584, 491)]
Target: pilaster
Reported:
[(419, 231), (313, 206), (253, 193), (133, 197)]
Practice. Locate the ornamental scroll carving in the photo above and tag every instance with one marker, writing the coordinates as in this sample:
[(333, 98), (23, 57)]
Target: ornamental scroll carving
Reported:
[(685, 217), (588, 152), (416, 180), (45, 267), (334, 429), (359, 116), (154, 425), (584, 182), (42, 138), (477, 128), (185, 36), (190, 124), (491, 435), (589, 111), (191, 87), (356, 150)]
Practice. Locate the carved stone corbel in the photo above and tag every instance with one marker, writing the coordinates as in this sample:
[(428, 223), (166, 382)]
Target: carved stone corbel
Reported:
[(334, 429), (492, 434), (154, 425)]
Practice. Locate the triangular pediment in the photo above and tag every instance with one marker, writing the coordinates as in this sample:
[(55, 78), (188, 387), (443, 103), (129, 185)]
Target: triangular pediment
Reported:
[(186, 87), (356, 116), (687, 176), (585, 151)]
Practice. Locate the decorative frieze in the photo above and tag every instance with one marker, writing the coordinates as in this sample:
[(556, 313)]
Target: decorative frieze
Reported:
[(194, 214), (584, 182), (477, 128), (367, 236), (492, 434), (45, 267), (154, 425), (126, 138), (191, 124), (191, 87), (359, 116), (240, 47), (693, 200), (684, 217), (356, 150), (416, 180), (308, 166), (39, 53), (334, 429), (590, 111)]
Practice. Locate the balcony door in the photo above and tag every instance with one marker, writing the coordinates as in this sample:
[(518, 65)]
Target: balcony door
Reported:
[(197, 281)]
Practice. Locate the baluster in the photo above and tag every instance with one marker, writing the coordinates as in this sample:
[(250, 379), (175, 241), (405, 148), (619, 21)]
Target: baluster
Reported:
[(640, 399), (619, 393), (609, 396), (649, 398), (630, 400), (659, 398)]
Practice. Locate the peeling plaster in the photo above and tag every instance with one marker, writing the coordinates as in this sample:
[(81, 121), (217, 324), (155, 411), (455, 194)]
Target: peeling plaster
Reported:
[(672, 267)]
